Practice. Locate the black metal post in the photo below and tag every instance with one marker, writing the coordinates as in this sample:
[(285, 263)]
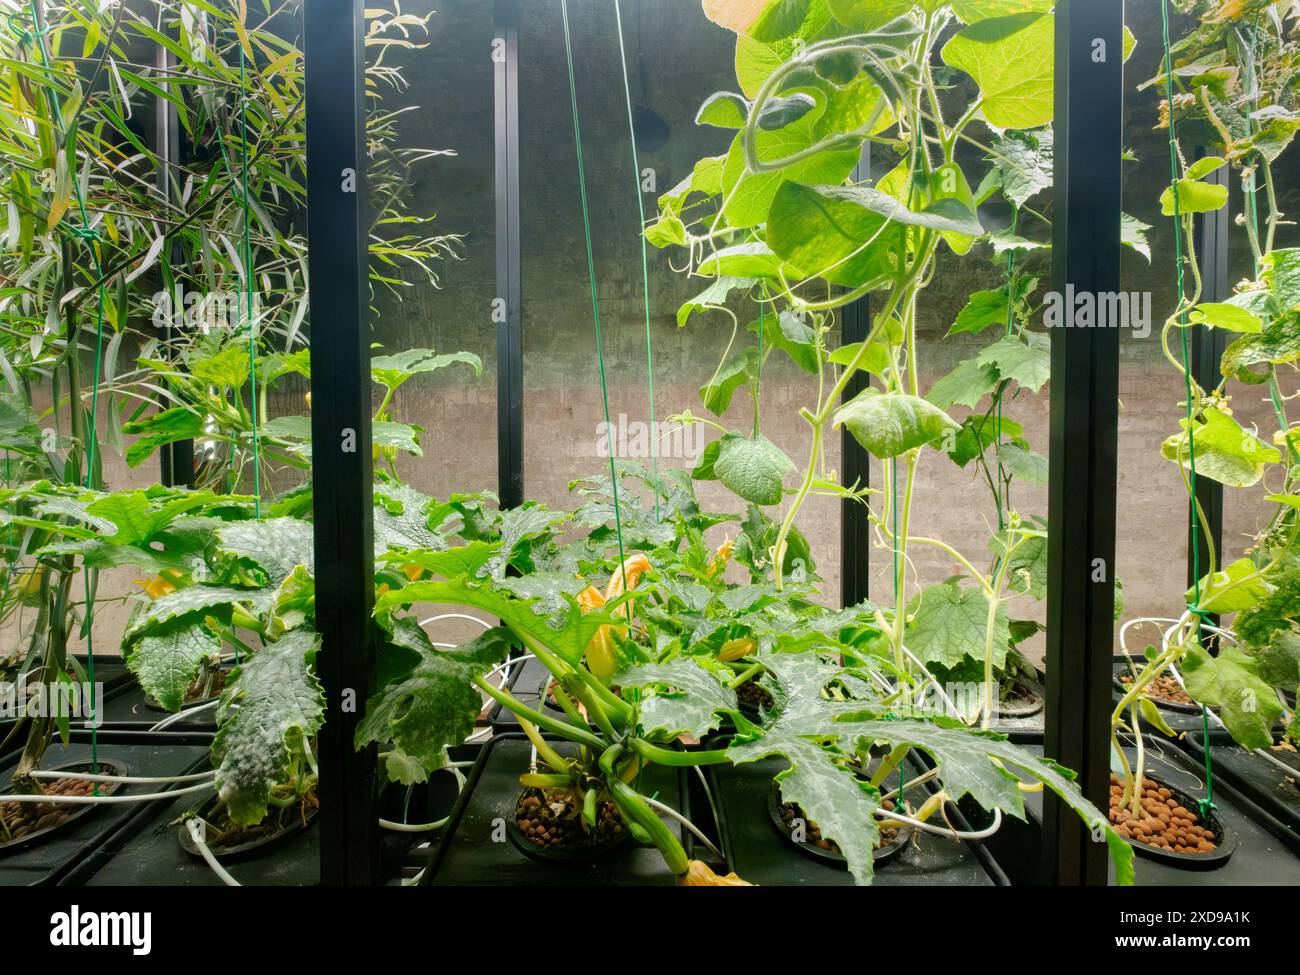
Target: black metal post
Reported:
[(176, 459), (855, 462), (1089, 125), (1207, 350), (507, 309), (341, 414)]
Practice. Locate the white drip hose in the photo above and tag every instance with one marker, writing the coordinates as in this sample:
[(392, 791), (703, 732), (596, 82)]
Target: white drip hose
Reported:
[(107, 800), (956, 834), (455, 768), (55, 774), (172, 719), (196, 828), (695, 831)]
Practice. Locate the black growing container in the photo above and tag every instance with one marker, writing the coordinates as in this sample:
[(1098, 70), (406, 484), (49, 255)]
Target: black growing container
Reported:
[(1179, 717), (149, 851), (1260, 858), (109, 671), (476, 849), (51, 860), (759, 854), (1275, 792)]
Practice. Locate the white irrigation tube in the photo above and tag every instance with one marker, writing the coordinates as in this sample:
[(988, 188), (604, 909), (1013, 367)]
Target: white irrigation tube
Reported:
[(457, 616), (196, 829), (669, 810), (55, 774), (107, 800), (956, 834), (187, 713), (396, 827)]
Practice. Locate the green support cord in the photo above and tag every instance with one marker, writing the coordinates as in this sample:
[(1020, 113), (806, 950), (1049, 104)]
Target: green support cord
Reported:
[(645, 263), (591, 276), (1207, 803), (91, 236)]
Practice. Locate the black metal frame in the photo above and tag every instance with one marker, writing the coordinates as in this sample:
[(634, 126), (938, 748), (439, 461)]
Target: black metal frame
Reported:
[(855, 462), (337, 252), (176, 459), (510, 336), (1084, 411), (1207, 345), (1089, 123)]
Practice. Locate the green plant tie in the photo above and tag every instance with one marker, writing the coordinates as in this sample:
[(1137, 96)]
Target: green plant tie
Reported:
[(645, 262), (1207, 803), (88, 234), (591, 277)]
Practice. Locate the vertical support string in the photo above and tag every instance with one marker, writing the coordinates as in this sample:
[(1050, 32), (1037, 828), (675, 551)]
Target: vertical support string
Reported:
[(591, 277), (645, 262)]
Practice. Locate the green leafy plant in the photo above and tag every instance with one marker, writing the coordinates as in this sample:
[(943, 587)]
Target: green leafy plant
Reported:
[(1229, 87), (101, 335)]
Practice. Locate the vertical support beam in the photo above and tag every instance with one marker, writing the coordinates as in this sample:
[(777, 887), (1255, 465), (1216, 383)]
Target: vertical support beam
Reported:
[(1084, 428), (176, 459), (340, 422), (855, 463), (508, 309), (1207, 350)]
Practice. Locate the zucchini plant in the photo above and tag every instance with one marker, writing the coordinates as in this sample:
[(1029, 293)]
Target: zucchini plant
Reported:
[(1229, 88)]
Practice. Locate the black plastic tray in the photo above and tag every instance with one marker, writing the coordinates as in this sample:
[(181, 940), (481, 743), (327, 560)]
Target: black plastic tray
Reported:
[(1261, 857), (469, 853), (158, 754), (1257, 779), (526, 684)]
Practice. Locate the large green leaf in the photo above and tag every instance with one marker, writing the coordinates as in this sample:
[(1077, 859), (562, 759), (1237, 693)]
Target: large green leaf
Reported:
[(1247, 359), (275, 546), (971, 11), (1193, 196), (167, 658), (1224, 451), (169, 426), (968, 383), (1237, 587), (748, 196), (985, 767), (271, 706), (889, 424), (740, 369), (715, 294), (686, 698), (948, 624), (402, 519), (991, 307), (829, 234), (789, 333), (1022, 164), (1025, 358), (752, 468), (432, 705), (1230, 682), (566, 635), (393, 370), (198, 597), (1011, 59)]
